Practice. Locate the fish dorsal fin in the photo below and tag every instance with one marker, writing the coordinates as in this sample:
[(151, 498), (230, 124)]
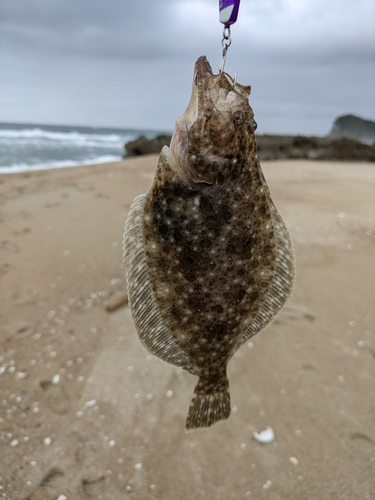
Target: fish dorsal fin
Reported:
[(283, 280), (148, 322)]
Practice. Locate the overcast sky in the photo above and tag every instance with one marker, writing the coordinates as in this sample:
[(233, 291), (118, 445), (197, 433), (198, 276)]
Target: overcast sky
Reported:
[(129, 63)]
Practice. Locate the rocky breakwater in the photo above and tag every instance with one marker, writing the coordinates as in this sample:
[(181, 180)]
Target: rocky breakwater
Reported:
[(144, 146), (279, 147), (282, 147)]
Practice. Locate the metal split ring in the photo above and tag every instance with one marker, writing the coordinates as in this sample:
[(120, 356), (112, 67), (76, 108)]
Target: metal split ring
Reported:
[(226, 41)]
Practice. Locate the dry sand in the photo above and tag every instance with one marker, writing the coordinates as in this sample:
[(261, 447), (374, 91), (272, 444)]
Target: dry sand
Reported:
[(86, 413)]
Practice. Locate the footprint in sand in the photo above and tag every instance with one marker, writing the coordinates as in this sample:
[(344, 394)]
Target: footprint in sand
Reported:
[(94, 487), (56, 397), (10, 246), (50, 476), (4, 268), (291, 313)]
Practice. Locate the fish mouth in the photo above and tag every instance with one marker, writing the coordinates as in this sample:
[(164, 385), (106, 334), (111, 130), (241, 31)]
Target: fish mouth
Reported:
[(203, 81), (201, 69)]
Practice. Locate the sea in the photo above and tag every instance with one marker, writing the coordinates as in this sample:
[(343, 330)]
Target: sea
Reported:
[(26, 147)]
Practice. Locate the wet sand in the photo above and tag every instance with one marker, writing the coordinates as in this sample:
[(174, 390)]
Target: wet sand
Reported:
[(86, 413)]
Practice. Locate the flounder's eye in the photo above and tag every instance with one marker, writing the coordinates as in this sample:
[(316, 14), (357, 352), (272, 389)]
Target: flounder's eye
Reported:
[(238, 118)]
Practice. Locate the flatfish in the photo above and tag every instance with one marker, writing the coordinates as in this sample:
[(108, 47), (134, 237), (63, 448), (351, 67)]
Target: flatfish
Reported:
[(211, 260)]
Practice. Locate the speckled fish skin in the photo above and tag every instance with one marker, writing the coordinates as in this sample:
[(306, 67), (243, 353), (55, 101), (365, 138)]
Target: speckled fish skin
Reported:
[(211, 261)]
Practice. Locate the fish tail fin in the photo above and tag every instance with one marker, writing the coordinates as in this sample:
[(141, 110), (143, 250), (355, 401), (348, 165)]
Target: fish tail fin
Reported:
[(208, 408)]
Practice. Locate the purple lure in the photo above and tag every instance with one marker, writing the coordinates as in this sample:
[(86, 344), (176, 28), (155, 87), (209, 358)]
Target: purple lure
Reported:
[(228, 11)]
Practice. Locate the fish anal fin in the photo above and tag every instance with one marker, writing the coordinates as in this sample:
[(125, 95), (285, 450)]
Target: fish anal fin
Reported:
[(133, 226), (148, 320)]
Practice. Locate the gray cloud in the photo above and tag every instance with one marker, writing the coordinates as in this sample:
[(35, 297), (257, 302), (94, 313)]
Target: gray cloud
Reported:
[(123, 63)]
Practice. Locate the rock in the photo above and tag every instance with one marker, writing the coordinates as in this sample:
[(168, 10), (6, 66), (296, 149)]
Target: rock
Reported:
[(353, 127), (118, 299), (144, 146)]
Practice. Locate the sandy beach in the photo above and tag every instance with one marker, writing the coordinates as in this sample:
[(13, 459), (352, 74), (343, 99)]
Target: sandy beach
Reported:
[(86, 413)]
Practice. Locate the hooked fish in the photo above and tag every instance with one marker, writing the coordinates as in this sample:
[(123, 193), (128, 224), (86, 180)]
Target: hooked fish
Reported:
[(211, 260)]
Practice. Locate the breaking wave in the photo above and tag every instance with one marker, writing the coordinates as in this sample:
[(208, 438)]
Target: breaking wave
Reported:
[(23, 167), (36, 147)]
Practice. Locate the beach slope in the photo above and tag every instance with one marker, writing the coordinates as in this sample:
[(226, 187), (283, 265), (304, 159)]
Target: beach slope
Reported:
[(86, 413)]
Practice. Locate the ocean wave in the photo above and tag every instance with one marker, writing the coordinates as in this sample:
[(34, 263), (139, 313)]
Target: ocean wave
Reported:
[(23, 167), (34, 135)]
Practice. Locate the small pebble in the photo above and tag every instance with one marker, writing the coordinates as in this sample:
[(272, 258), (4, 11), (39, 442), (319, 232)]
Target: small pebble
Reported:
[(267, 484), (56, 379), (47, 441), (62, 497), (138, 466), (169, 394), (14, 443), (293, 460), (90, 404), (111, 443), (119, 299)]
